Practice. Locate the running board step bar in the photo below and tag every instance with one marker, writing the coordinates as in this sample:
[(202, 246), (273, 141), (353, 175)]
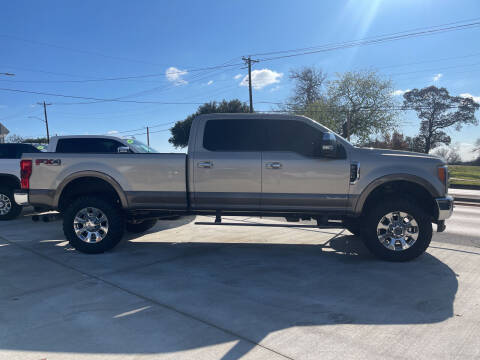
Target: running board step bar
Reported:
[(333, 226)]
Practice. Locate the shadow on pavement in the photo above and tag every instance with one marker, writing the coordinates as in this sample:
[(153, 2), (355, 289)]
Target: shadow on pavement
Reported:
[(251, 290)]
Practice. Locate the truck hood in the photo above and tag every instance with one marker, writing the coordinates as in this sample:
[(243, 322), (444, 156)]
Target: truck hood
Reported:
[(400, 154)]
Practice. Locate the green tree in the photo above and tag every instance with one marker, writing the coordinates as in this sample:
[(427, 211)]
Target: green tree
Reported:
[(181, 130), (326, 113), (362, 104), (308, 89), (396, 141), (438, 110)]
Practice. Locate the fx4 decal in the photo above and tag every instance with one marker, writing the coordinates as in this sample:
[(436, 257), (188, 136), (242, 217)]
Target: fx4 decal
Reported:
[(49, 162)]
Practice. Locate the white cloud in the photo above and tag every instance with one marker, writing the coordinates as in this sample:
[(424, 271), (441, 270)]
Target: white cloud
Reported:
[(474, 98), (210, 82), (399, 92), (112, 132), (437, 77), (238, 76), (275, 88), (262, 78), (175, 75)]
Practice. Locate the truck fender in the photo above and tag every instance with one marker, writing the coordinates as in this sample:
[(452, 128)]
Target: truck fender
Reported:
[(362, 198), (91, 174)]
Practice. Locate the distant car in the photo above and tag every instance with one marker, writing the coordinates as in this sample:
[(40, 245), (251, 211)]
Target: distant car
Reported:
[(10, 155)]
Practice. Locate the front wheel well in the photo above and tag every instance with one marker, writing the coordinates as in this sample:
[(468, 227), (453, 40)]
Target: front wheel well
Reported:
[(90, 186), (402, 189)]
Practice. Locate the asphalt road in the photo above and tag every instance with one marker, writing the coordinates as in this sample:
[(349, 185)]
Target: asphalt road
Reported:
[(463, 228), (185, 291)]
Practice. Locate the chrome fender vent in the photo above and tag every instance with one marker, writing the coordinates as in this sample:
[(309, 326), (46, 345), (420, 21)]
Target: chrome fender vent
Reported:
[(354, 172)]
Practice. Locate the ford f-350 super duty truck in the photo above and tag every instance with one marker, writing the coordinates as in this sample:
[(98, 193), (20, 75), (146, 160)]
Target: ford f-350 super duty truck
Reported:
[(247, 164)]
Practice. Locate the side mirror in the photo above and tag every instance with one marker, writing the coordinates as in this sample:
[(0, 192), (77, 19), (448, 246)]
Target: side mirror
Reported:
[(123, 150), (329, 145)]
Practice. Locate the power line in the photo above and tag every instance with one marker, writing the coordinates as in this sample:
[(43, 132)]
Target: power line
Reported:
[(435, 69), (196, 78), (365, 38), (130, 77), (88, 52), (98, 99), (377, 40)]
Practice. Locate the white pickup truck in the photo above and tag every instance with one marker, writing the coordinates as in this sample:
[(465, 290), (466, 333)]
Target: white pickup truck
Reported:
[(10, 155), (247, 164)]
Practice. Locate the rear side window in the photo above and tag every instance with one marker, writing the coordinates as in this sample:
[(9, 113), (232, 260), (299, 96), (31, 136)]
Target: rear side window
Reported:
[(7, 152), (87, 145), (294, 136), (15, 151), (233, 135)]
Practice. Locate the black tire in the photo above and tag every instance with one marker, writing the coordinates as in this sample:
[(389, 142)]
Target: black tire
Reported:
[(353, 225), (141, 227), (116, 224), (14, 208), (376, 212)]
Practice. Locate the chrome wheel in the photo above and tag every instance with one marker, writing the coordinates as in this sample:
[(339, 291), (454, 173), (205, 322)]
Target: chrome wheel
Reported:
[(5, 204), (90, 225), (397, 231)]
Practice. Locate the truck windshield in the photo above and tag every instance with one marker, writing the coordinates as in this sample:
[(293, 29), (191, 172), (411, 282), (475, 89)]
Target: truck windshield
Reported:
[(139, 147)]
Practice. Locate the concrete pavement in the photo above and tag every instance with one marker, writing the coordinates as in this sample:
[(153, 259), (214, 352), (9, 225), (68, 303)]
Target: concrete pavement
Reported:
[(213, 292)]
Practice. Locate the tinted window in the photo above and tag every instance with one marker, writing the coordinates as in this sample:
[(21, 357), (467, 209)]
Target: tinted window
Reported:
[(15, 151), (233, 135), (295, 136), (88, 145)]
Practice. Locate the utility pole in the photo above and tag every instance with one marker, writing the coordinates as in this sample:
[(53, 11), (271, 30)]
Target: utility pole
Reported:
[(248, 61), (46, 119), (148, 137)]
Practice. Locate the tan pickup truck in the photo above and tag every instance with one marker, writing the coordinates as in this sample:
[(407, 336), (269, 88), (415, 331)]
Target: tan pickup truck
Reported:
[(246, 164)]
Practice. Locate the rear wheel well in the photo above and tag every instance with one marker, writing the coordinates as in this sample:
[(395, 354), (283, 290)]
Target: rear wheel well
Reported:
[(9, 181), (91, 186), (402, 189)]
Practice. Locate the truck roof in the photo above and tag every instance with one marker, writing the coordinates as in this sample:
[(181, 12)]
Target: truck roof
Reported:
[(252, 116), (84, 136)]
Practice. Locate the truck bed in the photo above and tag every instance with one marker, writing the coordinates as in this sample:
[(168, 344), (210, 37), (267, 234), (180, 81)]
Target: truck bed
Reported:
[(146, 180)]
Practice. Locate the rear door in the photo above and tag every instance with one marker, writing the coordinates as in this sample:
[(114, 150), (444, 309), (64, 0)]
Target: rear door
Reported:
[(227, 165), (294, 177)]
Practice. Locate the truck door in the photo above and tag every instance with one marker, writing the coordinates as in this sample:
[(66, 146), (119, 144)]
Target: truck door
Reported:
[(294, 178), (227, 165)]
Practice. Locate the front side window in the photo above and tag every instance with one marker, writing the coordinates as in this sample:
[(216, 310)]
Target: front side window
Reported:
[(139, 147), (88, 145), (293, 136)]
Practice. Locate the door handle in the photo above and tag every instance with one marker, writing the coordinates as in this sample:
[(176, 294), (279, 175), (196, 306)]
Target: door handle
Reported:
[(205, 164), (273, 165)]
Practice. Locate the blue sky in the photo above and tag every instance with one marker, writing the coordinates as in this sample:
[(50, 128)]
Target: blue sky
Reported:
[(50, 42)]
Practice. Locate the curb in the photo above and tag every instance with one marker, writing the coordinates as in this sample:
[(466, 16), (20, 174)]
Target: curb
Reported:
[(466, 187)]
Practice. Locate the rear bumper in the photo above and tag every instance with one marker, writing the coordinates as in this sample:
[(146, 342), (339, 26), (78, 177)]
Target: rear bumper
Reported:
[(445, 207), (21, 197)]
